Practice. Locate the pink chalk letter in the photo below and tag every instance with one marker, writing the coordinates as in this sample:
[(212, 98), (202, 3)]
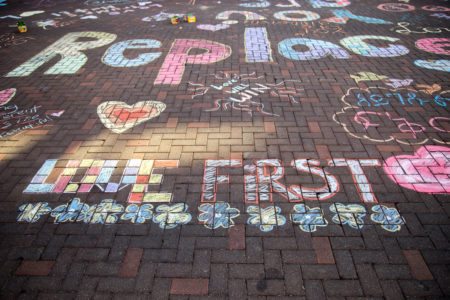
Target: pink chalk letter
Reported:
[(173, 67)]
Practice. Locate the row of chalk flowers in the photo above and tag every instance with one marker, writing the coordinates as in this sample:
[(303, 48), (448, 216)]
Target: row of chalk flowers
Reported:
[(107, 212), (212, 216)]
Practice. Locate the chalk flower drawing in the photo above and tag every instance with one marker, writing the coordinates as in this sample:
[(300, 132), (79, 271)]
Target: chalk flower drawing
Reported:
[(71, 212), (308, 218), (169, 216), (217, 215), (351, 214), (107, 212), (389, 218), (266, 218), (32, 212), (138, 214)]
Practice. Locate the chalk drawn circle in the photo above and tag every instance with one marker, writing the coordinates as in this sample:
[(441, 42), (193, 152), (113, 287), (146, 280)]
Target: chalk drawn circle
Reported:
[(396, 7), (435, 8), (230, 22)]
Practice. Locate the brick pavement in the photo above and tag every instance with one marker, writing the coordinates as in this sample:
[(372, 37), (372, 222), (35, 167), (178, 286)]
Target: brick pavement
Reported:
[(274, 149)]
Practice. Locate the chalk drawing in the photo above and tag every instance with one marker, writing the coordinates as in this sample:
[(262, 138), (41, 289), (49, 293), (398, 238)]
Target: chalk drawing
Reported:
[(388, 217), (358, 45), (265, 218), (351, 214), (257, 45), (343, 15), (3, 3), (438, 65), (171, 72), (31, 213), (69, 50), (435, 8), (213, 28), (249, 16), (170, 216), (258, 3), (405, 30), (114, 56), (14, 120), (217, 215), (11, 39), (324, 3), (139, 174), (440, 16), (377, 124), (138, 214), (317, 49), (308, 219), (292, 3), (434, 45), (308, 15), (7, 95), (31, 13), (359, 178), (429, 89), (396, 7), (427, 171), (120, 117), (397, 83), (367, 76)]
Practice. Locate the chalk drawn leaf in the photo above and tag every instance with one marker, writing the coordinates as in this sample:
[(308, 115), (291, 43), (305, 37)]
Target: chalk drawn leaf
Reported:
[(212, 27), (6, 95), (57, 114), (32, 212), (138, 214), (170, 216), (308, 219), (427, 171), (119, 116), (351, 214), (217, 215), (389, 218), (266, 218)]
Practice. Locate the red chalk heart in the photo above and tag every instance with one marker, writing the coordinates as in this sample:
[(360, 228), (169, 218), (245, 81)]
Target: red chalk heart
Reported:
[(6, 95), (119, 116), (427, 171)]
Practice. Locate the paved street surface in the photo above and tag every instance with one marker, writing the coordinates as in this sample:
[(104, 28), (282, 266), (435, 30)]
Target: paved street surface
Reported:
[(273, 149)]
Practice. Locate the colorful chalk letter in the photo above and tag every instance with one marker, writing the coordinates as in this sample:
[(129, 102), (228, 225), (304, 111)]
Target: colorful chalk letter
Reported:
[(334, 3), (211, 177), (257, 45), (317, 49), (343, 15), (69, 49), (359, 177), (173, 67), (357, 45), (114, 55), (434, 45), (308, 15)]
